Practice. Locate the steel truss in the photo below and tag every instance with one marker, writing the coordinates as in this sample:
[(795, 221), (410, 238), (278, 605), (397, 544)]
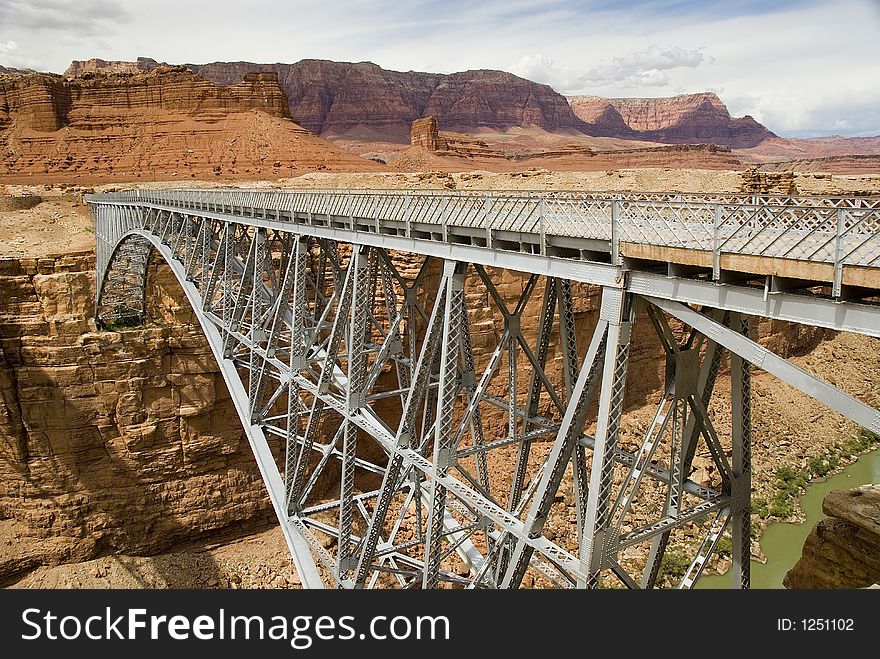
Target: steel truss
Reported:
[(395, 458)]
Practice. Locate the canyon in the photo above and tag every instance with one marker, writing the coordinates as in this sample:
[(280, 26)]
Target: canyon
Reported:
[(363, 100), (121, 457)]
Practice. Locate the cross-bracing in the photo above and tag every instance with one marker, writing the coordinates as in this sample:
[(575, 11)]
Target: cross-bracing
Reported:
[(397, 455)]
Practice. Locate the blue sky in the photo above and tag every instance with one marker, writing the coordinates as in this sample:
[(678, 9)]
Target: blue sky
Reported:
[(801, 67)]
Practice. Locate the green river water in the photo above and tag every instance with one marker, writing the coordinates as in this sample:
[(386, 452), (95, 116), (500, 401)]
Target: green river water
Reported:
[(782, 543)]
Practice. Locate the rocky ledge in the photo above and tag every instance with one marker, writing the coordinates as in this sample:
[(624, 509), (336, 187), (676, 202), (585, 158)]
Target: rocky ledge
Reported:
[(843, 551)]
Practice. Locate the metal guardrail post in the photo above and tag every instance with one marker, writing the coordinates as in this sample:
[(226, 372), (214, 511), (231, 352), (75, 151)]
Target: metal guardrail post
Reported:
[(541, 210), (838, 255), (486, 223)]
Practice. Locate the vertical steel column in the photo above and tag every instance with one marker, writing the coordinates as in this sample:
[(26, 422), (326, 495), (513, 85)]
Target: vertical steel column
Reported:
[(257, 305), (570, 431), (705, 385), (406, 432), (568, 339), (446, 397), (356, 341), (741, 390), (340, 325), (617, 311), (297, 357)]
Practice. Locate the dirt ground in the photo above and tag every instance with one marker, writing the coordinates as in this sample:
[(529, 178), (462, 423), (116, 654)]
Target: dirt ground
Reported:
[(257, 561), (57, 225)]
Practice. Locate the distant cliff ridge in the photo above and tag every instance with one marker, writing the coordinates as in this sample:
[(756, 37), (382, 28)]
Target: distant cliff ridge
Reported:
[(47, 102), (363, 100), (683, 119)]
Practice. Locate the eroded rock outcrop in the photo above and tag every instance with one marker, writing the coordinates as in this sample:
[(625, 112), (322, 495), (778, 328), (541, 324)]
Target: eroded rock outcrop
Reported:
[(425, 134), (111, 441), (364, 101), (112, 124), (755, 182), (601, 115), (843, 550), (333, 98)]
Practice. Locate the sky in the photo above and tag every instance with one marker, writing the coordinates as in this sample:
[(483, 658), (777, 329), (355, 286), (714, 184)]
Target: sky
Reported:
[(801, 67)]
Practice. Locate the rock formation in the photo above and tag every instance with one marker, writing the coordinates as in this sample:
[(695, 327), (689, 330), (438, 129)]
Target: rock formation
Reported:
[(335, 97), (340, 97), (755, 182), (166, 122), (332, 98), (424, 133), (364, 101), (46, 103), (7, 70), (112, 441), (683, 119), (843, 550), (600, 114)]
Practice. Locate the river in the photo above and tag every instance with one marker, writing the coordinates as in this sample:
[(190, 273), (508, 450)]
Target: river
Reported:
[(782, 543)]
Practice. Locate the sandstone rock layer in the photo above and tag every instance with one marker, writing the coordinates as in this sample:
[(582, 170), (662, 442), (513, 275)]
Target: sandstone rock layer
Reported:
[(163, 123), (683, 119), (843, 550)]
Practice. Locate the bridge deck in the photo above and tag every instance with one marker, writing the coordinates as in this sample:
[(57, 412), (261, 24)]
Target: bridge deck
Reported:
[(800, 241)]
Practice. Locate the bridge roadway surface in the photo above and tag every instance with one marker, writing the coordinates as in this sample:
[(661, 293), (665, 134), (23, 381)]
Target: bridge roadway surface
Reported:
[(668, 245), (813, 260)]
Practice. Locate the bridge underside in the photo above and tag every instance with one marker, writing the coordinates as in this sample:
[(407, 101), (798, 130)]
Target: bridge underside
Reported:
[(409, 441)]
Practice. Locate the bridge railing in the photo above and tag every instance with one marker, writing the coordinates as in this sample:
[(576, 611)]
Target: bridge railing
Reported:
[(841, 231)]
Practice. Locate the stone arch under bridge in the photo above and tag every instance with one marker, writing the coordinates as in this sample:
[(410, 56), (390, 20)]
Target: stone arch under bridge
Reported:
[(409, 463)]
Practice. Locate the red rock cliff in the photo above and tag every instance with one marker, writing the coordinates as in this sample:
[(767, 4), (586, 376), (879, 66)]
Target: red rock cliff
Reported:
[(45, 102), (337, 97), (157, 123), (683, 119), (363, 100)]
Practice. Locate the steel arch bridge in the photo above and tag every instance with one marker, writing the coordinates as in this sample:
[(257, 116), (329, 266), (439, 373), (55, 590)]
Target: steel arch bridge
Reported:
[(341, 325)]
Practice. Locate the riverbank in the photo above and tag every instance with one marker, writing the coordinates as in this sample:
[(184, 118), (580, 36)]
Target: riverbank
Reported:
[(782, 542)]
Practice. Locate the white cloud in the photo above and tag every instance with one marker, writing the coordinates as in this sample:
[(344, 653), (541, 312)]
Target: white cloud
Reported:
[(543, 69), (802, 66), (86, 16), (645, 67)]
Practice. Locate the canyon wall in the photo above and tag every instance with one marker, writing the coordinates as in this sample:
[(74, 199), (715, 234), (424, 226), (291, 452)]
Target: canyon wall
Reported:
[(44, 102), (336, 97), (364, 101), (363, 98), (111, 441)]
